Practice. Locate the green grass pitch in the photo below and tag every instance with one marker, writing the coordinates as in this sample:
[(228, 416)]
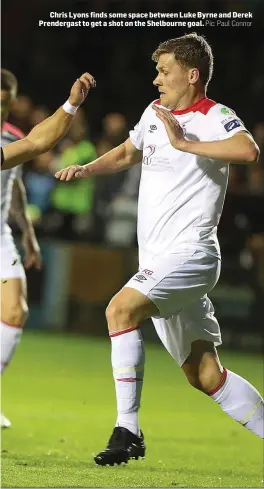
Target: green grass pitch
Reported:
[(59, 395)]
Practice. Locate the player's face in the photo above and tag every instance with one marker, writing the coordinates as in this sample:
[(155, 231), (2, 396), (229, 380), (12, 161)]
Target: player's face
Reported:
[(172, 80), (6, 102)]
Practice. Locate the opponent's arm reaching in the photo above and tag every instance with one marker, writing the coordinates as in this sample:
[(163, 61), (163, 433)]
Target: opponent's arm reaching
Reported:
[(49, 132), (18, 211), (118, 159)]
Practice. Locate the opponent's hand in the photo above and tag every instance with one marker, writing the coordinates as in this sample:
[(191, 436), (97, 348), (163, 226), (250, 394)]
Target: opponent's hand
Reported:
[(72, 173), (172, 126), (32, 250), (80, 89)]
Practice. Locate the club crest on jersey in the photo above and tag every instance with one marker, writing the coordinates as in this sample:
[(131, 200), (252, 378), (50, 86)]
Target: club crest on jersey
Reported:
[(229, 126), (152, 128), (148, 152)]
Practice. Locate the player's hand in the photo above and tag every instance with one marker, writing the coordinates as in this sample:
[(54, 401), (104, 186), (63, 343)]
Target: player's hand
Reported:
[(32, 250), (72, 173), (173, 128), (80, 89)]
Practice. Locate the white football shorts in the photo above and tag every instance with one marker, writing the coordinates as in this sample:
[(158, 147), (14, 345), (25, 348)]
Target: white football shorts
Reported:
[(178, 285), (11, 265)]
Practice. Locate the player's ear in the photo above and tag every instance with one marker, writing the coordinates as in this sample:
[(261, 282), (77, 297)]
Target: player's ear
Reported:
[(193, 75)]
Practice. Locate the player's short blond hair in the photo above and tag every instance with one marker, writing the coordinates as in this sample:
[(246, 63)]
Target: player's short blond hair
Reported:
[(191, 51), (9, 82)]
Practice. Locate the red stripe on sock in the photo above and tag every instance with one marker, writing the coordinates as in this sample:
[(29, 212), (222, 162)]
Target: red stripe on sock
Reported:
[(130, 379), (4, 364), (123, 331), (221, 383), (19, 326)]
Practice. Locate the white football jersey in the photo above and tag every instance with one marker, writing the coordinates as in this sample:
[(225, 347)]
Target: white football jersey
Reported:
[(9, 134), (181, 195)]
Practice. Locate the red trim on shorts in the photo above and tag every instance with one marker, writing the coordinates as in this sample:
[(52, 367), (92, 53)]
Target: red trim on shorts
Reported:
[(123, 331), (218, 387), (12, 325), (13, 130), (203, 105)]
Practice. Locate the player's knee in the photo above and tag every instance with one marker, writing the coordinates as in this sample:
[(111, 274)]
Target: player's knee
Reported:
[(118, 315), (16, 314)]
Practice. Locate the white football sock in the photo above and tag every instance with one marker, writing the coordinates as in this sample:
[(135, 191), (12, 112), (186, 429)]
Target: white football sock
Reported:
[(10, 337), (128, 359), (240, 400)]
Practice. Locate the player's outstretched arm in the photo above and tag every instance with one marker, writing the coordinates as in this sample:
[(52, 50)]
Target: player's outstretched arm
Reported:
[(118, 159), (240, 148), (49, 132)]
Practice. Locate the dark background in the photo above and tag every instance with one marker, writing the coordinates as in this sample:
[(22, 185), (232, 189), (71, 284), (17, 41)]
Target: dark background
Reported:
[(47, 60)]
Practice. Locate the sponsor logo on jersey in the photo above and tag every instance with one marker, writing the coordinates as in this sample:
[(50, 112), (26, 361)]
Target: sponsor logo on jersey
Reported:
[(229, 126), (152, 128), (139, 278), (226, 111)]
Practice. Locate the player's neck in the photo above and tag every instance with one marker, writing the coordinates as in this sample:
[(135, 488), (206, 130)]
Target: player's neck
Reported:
[(188, 99)]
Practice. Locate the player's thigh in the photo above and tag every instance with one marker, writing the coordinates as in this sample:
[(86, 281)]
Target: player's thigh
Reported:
[(13, 277), (129, 308), (13, 299), (11, 264), (175, 281)]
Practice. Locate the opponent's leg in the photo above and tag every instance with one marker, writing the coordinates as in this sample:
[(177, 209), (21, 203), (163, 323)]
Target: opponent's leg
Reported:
[(124, 314), (14, 312), (237, 397)]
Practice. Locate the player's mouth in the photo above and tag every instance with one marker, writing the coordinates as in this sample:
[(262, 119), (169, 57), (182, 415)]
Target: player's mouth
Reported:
[(162, 93)]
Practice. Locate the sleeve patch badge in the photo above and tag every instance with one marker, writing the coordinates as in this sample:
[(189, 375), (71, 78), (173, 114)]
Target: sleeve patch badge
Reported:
[(229, 126), (226, 111)]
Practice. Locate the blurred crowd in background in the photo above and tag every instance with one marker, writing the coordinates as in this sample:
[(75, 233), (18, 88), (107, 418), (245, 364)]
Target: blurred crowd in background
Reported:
[(104, 210)]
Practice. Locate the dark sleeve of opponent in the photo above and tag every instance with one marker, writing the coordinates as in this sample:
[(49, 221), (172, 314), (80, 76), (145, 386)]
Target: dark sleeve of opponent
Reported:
[(2, 157)]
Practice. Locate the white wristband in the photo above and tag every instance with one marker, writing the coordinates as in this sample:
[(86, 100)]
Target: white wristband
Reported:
[(69, 108)]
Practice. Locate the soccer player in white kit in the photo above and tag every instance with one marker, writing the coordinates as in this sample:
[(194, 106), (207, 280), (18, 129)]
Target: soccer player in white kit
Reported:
[(42, 138), (185, 142)]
